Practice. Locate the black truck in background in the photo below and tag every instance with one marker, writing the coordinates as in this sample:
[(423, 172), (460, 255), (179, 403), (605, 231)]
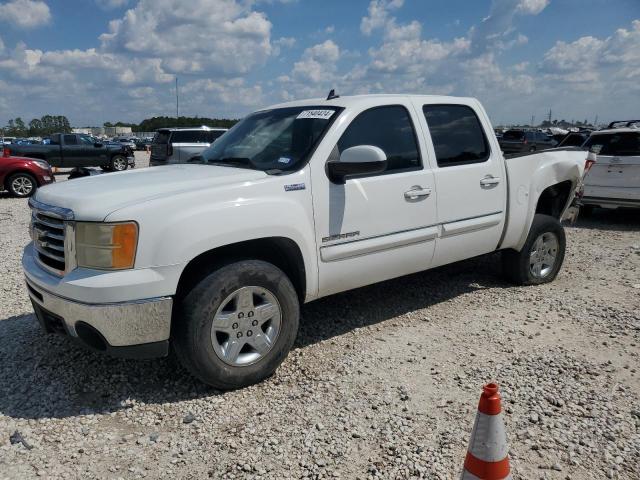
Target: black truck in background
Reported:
[(72, 150)]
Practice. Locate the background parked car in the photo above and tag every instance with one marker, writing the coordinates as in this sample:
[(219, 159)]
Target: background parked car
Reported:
[(178, 145), (128, 141), (143, 143), (614, 179), (519, 141), (71, 150), (22, 176)]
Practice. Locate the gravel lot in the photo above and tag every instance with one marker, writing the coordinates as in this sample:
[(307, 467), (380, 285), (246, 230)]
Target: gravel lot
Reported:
[(383, 381)]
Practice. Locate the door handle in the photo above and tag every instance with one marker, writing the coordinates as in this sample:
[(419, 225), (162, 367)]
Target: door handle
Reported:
[(416, 192), (489, 181)]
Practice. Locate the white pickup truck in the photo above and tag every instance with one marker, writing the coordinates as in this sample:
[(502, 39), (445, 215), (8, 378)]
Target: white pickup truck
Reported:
[(296, 202)]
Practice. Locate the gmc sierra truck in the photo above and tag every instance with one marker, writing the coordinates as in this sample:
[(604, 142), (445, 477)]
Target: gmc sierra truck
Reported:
[(297, 201), (72, 150)]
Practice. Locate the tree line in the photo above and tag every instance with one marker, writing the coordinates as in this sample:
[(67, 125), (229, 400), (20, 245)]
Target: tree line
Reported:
[(154, 123), (38, 127), (49, 124)]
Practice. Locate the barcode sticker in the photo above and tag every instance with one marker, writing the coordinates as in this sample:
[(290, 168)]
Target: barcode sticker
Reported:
[(319, 114)]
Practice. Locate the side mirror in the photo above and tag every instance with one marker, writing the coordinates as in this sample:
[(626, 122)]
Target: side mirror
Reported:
[(97, 144), (356, 161)]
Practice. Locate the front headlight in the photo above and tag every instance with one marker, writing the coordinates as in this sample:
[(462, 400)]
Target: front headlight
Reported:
[(42, 165), (107, 246)]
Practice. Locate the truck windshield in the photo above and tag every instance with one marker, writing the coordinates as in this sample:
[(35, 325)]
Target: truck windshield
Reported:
[(272, 140)]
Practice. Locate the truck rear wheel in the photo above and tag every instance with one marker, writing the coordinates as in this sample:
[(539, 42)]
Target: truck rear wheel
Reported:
[(237, 325), (118, 163), (540, 259)]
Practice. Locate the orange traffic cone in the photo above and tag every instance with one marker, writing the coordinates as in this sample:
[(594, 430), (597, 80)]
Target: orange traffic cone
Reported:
[(488, 454)]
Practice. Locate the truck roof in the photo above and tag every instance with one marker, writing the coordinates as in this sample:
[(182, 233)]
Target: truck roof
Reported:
[(616, 130), (371, 100)]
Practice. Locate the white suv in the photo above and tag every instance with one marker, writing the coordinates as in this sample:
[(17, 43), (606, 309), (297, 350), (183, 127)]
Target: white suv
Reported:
[(179, 145), (614, 178)]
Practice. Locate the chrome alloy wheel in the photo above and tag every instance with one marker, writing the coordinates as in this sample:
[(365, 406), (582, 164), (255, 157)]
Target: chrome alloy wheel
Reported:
[(22, 186), (119, 164), (246, 326), (543, 255)]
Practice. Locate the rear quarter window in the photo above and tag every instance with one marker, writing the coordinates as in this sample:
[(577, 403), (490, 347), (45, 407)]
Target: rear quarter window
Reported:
[(162, 137), (190, 136), (623, 144)]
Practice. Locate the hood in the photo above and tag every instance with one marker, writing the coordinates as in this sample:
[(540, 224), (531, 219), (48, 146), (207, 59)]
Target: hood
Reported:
[(93, 198)]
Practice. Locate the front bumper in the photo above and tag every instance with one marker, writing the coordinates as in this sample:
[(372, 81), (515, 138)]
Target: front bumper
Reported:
[(137, 329)]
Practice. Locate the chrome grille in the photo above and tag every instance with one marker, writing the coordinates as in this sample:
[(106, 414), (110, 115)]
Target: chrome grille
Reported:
[(52, 234)]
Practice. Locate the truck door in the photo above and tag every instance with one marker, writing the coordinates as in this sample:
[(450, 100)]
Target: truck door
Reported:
[(93, 156), (54, 154), (380, 226), (73, 152), (470, 180)]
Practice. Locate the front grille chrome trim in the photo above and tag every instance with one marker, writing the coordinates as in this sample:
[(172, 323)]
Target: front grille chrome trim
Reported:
[(53, 234)]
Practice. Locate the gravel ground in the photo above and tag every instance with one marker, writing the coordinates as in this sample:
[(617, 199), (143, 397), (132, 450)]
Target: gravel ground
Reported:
[(382, 383)]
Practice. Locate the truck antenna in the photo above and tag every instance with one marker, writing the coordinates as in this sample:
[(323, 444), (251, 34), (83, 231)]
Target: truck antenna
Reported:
[(332, 95)]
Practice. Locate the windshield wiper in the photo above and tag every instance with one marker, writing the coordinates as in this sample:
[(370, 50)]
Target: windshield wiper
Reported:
[(240, 162)]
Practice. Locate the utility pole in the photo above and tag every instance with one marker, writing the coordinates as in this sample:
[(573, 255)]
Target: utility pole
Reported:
[(177, 111), (533, 119), (595, 122), (549, 116)]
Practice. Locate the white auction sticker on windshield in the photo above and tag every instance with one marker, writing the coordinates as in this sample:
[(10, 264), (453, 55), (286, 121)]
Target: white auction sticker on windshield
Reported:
[(320, 114)]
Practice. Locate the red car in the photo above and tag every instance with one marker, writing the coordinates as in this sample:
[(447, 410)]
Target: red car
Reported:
[(21, 176)]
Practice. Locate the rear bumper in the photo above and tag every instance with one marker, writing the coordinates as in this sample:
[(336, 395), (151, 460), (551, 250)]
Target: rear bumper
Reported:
[(610, 202), (136, 329)]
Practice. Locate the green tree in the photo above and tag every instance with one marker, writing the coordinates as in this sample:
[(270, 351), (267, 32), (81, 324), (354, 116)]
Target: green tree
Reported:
[(21, 130)]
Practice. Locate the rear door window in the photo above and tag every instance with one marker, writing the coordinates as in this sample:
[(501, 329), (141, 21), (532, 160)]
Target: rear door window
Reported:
[(457, 135), (70, 140)]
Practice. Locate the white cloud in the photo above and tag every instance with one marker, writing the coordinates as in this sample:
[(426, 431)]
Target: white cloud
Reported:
[(532, 7), (610, 64), (25, 13), (217, 36), (111, 4), (318, 63), (378, 14)]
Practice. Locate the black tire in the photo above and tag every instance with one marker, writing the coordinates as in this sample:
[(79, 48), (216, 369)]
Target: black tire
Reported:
[(532, 149), (586, 210), (517, 266), (192, 331), (21, 185), (118, 163)]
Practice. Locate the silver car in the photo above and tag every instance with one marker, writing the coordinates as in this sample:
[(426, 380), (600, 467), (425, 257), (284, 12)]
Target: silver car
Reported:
[(179, 145)]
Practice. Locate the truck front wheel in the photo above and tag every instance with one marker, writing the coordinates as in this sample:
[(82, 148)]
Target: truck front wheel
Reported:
[(21, 185), (237, 325), (540, 259)]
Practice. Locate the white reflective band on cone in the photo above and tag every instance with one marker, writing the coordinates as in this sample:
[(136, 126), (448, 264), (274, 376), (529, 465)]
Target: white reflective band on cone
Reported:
[(488, 438), (470, 476)]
